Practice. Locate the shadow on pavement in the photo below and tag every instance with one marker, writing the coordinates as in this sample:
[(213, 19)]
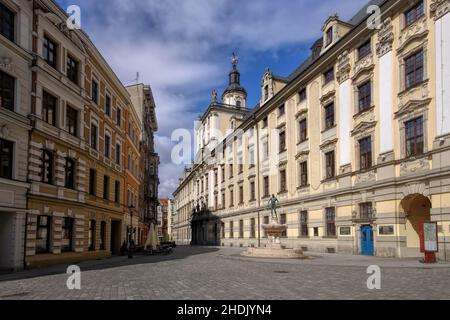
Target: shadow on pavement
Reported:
[(179, 253)]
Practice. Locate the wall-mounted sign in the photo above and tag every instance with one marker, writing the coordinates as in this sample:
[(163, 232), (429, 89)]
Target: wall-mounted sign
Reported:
[(386, 230), (430, 237), (345, 231)]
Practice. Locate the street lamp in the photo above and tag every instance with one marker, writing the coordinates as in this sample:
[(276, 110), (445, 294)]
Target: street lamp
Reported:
[(130, 234)]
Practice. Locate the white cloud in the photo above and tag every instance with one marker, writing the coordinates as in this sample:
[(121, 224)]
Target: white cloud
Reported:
[(181, 48)]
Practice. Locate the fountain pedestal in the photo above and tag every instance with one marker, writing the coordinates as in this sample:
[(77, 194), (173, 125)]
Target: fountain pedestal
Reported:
[(274, 247)]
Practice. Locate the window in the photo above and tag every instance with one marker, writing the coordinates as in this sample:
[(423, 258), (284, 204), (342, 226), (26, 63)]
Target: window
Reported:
[(231, 230), (67, 234), (414, 137), (365, 210), (303, 130), (71, 120), (330, 222), (281, 110), (91, 236), (94, 136), (241, 194), (117, 192), (119, 117), (266, 221), (414, 14), (303, 174), (283, 220), (6, 22), (283, 186), (251, 152), (7, 88), (282, 141), (72, 69), (103, 235), (302, 95), (106, 187), (364, 96), (238, 104), (107, 146), (223, 173), (414, 69), (108, 105), (70, 174), (329, 165), (94, 91), (231, 198), (118, 154), (222, 230), (43, 234), (231, 171), (241, 229), (365, 153), (49, 108), (252, 191), (316, 231), (266, 187), (304, 224), (47, 167), (6, 159), (329, 36), (328, 76), (92, 182), (329, 116), (266, 92), (223, 199), (50, 52), (364, 50), (252, 228)]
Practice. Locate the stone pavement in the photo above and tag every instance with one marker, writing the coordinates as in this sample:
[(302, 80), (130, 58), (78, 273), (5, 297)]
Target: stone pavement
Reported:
[(196, 273)]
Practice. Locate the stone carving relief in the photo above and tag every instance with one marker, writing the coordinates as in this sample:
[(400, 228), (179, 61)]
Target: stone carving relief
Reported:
[(414, 166), (366, 177), (344, 67), (6, 63), (439, 8), (385, 37), (418, 29), (5, 131), (364, 64)]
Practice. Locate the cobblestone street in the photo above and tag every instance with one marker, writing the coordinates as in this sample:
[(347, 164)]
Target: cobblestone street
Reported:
[(220, 273)]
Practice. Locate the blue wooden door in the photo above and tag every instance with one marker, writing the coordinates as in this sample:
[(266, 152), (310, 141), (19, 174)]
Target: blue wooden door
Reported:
[(367, 248)]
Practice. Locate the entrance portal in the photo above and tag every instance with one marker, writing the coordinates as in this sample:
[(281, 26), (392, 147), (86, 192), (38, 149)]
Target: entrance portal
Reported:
[(115, 237), (417, 208), (367, 247)]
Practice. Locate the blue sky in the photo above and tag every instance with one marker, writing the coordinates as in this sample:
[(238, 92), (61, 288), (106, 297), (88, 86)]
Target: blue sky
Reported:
[(182, 48)]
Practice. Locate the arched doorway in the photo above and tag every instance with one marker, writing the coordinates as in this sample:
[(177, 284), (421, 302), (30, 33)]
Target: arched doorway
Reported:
[(417, 209)]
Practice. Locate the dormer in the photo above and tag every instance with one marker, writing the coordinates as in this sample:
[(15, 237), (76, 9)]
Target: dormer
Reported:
[(271, 85), (333, 30)]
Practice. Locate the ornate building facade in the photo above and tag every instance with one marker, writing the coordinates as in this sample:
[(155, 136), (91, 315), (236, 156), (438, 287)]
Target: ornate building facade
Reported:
[(68, 130), (355, 143)]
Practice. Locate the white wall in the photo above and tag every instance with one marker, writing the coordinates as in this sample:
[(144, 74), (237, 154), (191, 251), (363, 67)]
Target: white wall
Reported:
[(344, 123), (386, 98), (443, 75)]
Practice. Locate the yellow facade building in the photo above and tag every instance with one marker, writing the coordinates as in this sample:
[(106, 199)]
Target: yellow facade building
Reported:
[(355, 143)]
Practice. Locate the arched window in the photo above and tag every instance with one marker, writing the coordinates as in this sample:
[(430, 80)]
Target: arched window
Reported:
[(70, 173), (238, 103), (47, 167)]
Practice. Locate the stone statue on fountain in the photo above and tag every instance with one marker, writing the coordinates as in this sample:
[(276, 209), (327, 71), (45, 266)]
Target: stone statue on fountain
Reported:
[(273, 204)]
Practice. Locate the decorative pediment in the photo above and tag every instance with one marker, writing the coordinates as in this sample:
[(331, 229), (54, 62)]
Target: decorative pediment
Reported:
[(385, 37), (6, 63), (365, 65), (412, 106), (302, 154), (301, 113), (363, 127), (329, 143), (439, 8), (282, 165), (328, 97), (416, 31), (343, 72)]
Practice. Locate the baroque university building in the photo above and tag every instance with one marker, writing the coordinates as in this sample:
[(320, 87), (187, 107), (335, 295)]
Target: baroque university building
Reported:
[(355, 143), (73, 147)]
